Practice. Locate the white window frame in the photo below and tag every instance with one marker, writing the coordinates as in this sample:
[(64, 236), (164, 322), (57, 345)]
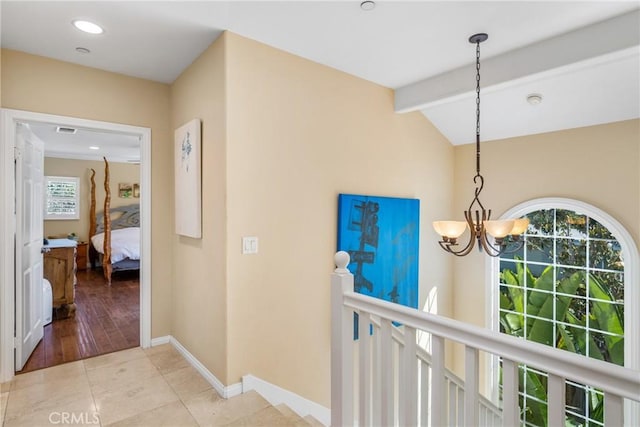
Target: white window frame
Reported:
[(631, 288), (57, 216)]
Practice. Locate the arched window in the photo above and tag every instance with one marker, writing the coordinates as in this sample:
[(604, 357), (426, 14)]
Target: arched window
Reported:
[(570, 287)]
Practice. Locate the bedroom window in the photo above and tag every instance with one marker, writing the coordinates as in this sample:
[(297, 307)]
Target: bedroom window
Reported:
[(62, 199)]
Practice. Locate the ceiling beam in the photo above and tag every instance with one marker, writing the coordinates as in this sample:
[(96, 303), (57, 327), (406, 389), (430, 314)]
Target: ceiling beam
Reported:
[(597, 40)]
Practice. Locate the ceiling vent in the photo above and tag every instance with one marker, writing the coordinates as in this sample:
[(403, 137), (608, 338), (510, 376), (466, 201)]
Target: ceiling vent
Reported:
[(66, 130)]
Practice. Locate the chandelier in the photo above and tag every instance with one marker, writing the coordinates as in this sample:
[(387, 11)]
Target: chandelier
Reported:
[(506, 232)]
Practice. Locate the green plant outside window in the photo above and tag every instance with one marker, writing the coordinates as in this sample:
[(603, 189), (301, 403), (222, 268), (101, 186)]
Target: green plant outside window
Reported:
[(564, 288)]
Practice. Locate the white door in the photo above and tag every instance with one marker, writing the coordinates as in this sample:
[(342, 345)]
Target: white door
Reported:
[(29, 235)]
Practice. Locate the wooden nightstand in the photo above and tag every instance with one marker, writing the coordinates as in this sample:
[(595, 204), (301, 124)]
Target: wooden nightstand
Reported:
[(81, 255), (59, 268)]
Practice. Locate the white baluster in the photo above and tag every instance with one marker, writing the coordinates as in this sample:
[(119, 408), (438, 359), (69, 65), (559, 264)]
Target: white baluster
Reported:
[(438, 385), (460, 403), (510, 408), (425, 387), (386, 361), (555, 400), (341, 344), (452, 403), (365, 368), (377, 378), (409, 377), (613, 410), (471, 387)]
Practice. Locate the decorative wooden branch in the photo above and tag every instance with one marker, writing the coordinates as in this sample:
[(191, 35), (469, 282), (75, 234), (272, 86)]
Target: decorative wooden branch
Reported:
[(92, 219), (106, 259)]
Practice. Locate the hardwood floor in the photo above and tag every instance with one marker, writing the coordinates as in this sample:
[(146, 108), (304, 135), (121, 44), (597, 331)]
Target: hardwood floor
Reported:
[(107, 319)]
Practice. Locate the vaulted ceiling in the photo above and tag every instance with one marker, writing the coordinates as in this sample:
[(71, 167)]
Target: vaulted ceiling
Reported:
[(582, 58)]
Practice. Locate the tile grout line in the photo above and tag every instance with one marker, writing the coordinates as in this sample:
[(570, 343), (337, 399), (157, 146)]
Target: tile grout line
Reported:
[(174, 390), (145, 356), (93, 398), (162, 375), (182, 402)]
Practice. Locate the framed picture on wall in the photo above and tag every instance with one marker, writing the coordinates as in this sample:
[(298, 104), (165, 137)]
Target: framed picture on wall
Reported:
[(382, 237), (136, 190), (125, 190), (188, 173)]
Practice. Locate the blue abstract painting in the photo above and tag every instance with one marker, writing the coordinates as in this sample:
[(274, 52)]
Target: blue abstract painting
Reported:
[(382, 236)]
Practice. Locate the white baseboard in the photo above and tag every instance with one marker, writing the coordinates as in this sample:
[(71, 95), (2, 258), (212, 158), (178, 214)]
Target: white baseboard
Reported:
[(225, 392), (272, 393), (276, 395), (160, 340)]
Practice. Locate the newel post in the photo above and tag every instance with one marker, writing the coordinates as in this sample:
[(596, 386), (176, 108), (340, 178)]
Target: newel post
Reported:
[(341, 344)]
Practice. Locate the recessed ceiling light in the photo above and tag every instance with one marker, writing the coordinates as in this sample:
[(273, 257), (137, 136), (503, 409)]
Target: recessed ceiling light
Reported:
[(368, 5), (83, 50), (93, 147), (534, 99), (88, 27)]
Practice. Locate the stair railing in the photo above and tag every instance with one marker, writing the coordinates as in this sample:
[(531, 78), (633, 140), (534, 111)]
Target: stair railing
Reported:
[(384, 379)]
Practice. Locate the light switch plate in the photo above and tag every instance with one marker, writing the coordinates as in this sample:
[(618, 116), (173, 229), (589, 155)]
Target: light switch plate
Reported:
[(249, 245)]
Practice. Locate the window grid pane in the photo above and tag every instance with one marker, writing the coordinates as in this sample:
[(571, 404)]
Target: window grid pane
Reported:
[(61, 198), (565, 288)]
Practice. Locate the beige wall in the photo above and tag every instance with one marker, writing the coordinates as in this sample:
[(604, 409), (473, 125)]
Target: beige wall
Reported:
[(34, 83), (598, 165), (280, 139), (119, 172), (199, 301), (300, 133)]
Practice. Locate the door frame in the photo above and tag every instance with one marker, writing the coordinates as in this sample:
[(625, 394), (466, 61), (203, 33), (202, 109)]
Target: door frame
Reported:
[(9, 119)]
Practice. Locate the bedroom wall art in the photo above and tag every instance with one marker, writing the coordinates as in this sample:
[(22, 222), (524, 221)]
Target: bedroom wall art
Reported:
[(382, 237), (125, 190), (188, 172), (136, 190)]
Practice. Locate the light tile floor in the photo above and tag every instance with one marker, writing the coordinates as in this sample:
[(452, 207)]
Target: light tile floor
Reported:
[(135, 387)]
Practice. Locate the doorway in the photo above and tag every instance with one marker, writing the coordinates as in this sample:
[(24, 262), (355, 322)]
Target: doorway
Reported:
[(8, 232)]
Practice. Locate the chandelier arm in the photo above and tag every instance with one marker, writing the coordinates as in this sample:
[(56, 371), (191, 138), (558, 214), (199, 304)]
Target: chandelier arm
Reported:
[(478, 190), (490, 249), (513, 246), (505, 247), (463, 252)]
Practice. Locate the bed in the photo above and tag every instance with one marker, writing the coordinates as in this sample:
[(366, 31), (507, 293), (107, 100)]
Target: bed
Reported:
[(125, 237), (115, 237)]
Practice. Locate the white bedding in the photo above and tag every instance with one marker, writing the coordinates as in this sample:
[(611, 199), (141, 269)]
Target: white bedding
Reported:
[(125, 243)]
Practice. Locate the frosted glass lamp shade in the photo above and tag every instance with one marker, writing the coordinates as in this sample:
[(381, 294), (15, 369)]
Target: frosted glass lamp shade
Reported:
[(450, 229), (519, 226), (499, 229)]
